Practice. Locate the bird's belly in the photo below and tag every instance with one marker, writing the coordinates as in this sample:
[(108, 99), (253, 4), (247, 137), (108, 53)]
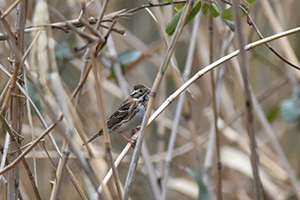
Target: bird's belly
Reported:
[(134, 122)]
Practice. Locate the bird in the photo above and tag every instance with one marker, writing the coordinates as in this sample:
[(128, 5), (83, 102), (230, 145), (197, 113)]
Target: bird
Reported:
[(129, 114)]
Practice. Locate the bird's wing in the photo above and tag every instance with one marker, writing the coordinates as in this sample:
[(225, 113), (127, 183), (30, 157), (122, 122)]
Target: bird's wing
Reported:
[(119, 115), (122, 114)]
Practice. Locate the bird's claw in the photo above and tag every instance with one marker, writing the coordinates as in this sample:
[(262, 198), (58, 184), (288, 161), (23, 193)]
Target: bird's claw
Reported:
[(132, 141)]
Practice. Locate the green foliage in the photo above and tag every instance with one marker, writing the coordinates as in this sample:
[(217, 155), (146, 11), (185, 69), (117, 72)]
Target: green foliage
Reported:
[(203, 194), (128, 56), (63, 51), (214, 9), (273, 114), (124, 59), (246, 8), (290, 109), (178, 6), (230, 24), (205, 9), (171, 26), (227, 14)]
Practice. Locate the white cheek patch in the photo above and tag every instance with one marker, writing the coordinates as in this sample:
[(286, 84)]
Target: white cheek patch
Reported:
[(133, 93), (141, 98)]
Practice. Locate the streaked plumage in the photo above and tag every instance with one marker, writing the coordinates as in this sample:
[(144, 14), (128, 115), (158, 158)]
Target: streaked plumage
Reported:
[(130, 113)]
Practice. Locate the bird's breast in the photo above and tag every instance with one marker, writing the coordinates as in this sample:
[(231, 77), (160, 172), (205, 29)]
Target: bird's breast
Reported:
[(135, 121)]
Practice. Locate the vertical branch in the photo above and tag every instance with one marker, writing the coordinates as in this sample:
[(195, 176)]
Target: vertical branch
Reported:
[(3, 184), (156, 190), (105, 129), (172, 141), (117, 67), (29, 116), (100, 98), (161, 131), (16, 102), (215, 110), (62, 101), (137, 150), (244, 64)]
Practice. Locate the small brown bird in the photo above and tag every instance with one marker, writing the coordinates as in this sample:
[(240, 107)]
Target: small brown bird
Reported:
[(129, 114)]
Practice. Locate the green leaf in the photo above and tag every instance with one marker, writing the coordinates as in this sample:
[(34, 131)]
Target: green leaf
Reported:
[(193, 12), (128, 56), (246, 8), (124, 59), (227, 14), (203, 194), (251, 1), (171, 26), (230, 24), (178, 6), (215, 9), (273, 114), (290, 109), (63, 51), (205, 8)]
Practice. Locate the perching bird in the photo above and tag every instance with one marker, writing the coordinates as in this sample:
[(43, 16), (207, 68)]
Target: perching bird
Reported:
[(129, 114)]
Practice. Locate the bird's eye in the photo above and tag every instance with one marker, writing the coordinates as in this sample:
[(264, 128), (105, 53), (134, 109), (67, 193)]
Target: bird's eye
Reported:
[(141, 90)]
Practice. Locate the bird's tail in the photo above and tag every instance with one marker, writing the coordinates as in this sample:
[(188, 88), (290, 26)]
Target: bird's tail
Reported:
[(94, 136)]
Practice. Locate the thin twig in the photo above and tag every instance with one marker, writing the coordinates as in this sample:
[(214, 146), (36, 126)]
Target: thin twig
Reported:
[(28, 103), (104, 126), (153, 5), (284, 43), (101, 14), (3, 184), (29, 115), (215, 111), (244, 65), (11, 7), (117, 67), (152, 176), (16, 106), (89, 37)]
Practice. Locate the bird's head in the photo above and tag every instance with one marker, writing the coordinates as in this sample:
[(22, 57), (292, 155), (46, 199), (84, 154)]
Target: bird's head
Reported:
[(140, 93)]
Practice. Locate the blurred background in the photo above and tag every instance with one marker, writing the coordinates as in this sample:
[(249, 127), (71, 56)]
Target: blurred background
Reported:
[(138, 54)]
